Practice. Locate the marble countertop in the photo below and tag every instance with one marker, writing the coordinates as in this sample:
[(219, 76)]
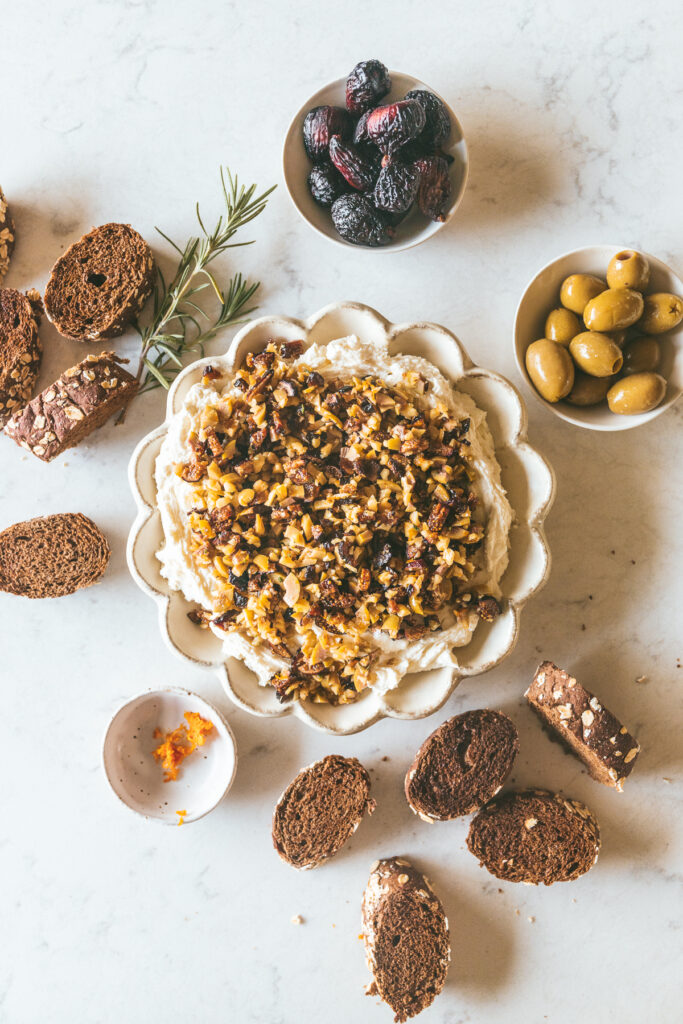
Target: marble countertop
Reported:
[(124, 111)]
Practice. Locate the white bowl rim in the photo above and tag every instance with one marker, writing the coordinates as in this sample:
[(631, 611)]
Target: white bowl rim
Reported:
[(410, 242), (518, 442), (211, 708), (558, 408)]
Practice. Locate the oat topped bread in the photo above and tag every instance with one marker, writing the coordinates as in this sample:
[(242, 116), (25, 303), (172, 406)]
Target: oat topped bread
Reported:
[(535, 836), (6, 235), (462, 765), (320, 810), (405, 931), (78, 402), (52, 556), (100, 284), (20, 349), (583, 725), (336, 513)]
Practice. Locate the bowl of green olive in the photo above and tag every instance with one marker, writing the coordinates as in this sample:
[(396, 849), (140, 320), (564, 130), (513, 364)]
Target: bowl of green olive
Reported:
[(599, 337)]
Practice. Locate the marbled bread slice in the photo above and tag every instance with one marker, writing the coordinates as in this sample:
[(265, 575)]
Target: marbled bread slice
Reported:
[(76, 404), (20, 350), (100, 284), (535, 836), (583, 724), (320, 810), (462, 765), (405, 931), (7, 235), (52, 555)]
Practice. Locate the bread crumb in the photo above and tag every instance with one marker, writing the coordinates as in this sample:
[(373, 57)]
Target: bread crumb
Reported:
[(531, 919), (641, 679), (297, 919), (665, 778), (517, 913)]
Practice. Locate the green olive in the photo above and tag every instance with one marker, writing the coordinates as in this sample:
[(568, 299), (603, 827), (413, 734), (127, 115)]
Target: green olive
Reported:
[(551, 370), (638, 393), (596, 354), (588, 390), (628, 269), (613, 310), (641, 355), (562, 325), (662, 313), (578, 289)]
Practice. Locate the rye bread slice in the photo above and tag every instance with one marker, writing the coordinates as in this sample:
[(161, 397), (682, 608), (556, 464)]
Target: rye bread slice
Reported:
[(535, 836), (52, 555), (7, 235), (320, 810), (405, 931), (20, 350), (78, 402), (583, 725), (462, 765), (100, 284)]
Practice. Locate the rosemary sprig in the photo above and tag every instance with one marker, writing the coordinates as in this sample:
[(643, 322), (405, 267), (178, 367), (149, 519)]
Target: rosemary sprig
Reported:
[(179, 324)]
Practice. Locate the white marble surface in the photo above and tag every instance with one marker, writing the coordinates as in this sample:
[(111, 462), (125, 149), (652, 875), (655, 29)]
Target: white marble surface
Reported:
[(124, 111)]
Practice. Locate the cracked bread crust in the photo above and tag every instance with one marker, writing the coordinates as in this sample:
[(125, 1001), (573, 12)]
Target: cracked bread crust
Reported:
[(461, 765), (320, 810), (584, 725), (20, 349), (76, 404), (100, 284), (405, 931), (7, 235), (535, 836), (52, 556)]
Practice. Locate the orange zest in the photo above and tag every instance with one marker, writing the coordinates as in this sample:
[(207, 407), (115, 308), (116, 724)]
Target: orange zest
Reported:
[(181, 817), (180, 743)]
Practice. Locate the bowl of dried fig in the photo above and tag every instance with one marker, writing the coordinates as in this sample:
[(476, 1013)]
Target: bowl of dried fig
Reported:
[(376, 160)]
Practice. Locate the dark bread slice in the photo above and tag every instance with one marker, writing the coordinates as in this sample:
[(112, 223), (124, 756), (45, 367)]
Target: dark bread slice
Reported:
[(535, 836), (100, 284), (75, 405), (584, 726), (462, 765), (20, 350), (52, 555), (405, 931), (7, 235), (320, 810)]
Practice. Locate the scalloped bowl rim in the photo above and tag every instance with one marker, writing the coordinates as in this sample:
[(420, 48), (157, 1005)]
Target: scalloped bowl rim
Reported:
[(163, 598), (430, 228)]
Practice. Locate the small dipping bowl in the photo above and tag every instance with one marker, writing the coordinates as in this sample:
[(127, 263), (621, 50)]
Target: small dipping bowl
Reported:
[(204, 777)]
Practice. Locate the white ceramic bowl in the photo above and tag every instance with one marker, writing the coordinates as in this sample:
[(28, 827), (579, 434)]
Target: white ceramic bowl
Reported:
[(205, 776), (296, 166), (543, 294), (526, 475)]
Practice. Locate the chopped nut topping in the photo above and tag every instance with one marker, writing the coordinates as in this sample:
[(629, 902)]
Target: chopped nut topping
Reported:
[(328, 510)]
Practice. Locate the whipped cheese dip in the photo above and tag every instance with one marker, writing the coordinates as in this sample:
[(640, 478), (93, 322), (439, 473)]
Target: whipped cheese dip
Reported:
[(345, 357)]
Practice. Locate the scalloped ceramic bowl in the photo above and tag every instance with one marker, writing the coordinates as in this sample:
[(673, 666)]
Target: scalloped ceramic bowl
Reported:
[(542, 294), (526, 475), (296, 166)]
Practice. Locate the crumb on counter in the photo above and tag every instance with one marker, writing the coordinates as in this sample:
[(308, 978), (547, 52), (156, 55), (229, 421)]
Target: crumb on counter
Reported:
[(180, 743), (297, 919)]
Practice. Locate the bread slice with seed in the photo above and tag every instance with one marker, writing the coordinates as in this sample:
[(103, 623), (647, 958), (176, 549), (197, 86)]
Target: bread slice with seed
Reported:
[(584, 725), (320, 810), (20, 349), (405, 931), (462, 765), (52, 555), (100, 284), (535, 836), (7, 235), (76, 404)]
